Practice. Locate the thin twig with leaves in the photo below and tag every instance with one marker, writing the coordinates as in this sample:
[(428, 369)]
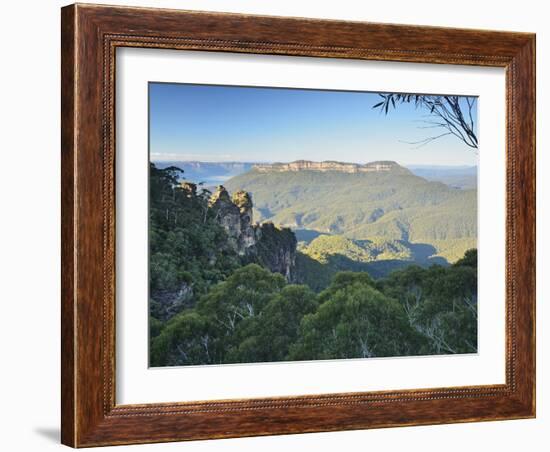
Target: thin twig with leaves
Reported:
[(453, 114)]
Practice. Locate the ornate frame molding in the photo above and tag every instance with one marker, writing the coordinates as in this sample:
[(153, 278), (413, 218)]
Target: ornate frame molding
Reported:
[(90, 37)]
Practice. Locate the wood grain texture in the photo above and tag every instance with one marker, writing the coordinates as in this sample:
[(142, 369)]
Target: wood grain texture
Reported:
[(90, 36), (67, 226)]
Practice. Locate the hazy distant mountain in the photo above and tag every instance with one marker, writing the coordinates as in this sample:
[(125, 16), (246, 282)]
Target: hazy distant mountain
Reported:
[(211, 173), (463, 177), (216, 173), (376, 201)]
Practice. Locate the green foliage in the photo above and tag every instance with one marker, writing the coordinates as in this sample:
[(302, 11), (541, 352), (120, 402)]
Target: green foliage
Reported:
[(329, 245), (440, 303), (313, 273), (450, 115), (184, 340), (255, 316), (326, 255), (326, 246), (392, 205), (272, 241), (469, 259), (225, 308), (155, 327), (268, 337), (345, 279), (243, 295), (251, 315), (355, 321), (187, 245)]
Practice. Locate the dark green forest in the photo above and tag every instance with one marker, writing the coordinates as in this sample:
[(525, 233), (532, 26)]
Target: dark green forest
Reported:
[(220, 297)]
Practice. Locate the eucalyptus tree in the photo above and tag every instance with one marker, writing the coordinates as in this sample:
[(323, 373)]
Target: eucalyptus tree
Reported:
[(448, 115)]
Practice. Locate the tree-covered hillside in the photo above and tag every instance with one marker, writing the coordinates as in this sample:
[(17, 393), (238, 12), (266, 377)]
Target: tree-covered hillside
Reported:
[(224, 289), (392, 205), (255, 316), (188, 248), (319, 260), (197, 239)]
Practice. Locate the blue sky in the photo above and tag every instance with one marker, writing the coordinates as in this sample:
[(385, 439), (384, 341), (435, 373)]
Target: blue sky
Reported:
[(221, 123)]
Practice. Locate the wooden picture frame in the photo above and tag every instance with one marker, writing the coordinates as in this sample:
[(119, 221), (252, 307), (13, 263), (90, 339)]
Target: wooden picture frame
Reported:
[(90, 36)]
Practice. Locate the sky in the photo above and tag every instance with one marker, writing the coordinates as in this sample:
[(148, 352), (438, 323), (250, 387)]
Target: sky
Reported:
[(213, 123)]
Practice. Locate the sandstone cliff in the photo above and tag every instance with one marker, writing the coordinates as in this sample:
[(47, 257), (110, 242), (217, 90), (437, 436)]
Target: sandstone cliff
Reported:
[(276, 249), (306, 165), (235, 215), (264, 244), (272, 247)]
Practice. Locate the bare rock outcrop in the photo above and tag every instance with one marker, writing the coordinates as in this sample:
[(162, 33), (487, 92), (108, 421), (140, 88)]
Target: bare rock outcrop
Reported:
[(266, 244), (235, 217), (329, 165)]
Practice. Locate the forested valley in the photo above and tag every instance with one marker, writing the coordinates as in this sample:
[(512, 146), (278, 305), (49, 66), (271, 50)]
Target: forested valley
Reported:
[(223, 289)]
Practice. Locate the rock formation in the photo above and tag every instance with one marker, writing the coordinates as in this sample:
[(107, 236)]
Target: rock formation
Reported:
[(276, 249), (235, 215), (265, 244), (247, 237), (301, 165), (189, 188)]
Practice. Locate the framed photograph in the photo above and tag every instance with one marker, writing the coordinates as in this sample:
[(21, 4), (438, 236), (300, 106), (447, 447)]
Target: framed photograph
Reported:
[(281, 225)]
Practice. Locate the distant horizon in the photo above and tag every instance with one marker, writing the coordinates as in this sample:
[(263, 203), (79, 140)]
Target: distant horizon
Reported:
[(192, 122), (263, 162)]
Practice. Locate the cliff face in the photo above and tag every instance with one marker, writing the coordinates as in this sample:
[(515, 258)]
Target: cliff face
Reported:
[(235, 215), (304, 165), (276, 249), (265, 244)]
